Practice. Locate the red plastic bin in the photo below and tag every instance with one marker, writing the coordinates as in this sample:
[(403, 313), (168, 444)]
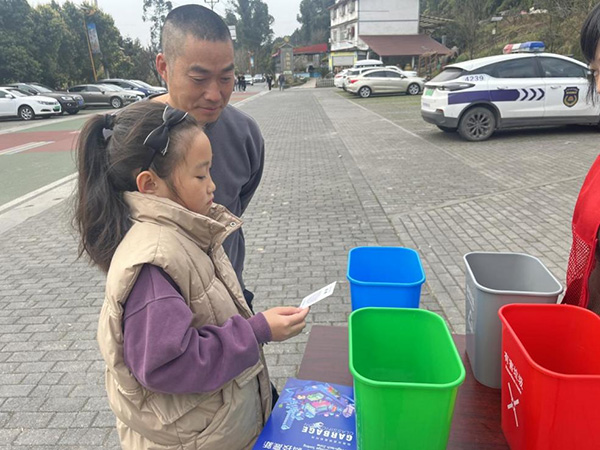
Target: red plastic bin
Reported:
[(550, 377)]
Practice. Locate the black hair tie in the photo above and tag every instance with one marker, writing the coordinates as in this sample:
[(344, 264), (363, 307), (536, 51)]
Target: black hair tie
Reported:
[(158, 139), (109, 121), (109, 125)]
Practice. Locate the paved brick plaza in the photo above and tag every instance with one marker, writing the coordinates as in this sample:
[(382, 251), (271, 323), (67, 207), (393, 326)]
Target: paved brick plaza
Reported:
[(340, 172)]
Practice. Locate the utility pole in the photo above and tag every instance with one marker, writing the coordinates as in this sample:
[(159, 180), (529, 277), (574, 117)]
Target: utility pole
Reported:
[(212, 3)]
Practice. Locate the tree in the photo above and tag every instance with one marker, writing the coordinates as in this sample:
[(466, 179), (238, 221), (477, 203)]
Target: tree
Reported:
[(155, 12), (135, 62), (563, 24), (17, 40), (314, 19), (48, 44), (51, 32), (469, 14), (253, 30)]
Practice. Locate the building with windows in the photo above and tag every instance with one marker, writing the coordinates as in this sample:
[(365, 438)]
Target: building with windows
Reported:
[(388, 29), (346, 47)]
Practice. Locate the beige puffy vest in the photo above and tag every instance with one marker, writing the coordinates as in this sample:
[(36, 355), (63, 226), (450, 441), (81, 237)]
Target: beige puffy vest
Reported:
[(187, 247)]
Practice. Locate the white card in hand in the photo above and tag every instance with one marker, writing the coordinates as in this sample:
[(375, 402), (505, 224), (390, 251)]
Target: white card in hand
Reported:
[(317, 296)]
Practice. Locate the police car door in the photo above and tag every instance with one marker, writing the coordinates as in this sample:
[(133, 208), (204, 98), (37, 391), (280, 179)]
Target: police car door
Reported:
[(566, 90), (518, 90)]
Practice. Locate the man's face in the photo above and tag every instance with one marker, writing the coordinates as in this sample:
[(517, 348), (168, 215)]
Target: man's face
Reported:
[(200, 78)]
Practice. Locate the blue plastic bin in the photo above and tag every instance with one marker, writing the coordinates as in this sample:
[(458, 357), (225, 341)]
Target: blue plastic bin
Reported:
[(385, 277)]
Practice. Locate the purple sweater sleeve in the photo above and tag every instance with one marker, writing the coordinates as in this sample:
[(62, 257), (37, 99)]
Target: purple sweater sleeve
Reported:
[(166, 354)]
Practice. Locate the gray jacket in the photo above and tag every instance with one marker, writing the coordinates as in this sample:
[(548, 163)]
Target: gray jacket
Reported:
[(238, 159)]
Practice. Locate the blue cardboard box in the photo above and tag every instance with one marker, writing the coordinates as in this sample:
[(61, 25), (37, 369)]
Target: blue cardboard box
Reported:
[(311, 415)]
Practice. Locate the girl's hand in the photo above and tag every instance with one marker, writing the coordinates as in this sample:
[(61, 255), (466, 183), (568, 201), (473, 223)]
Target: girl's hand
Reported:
[(285, 321)]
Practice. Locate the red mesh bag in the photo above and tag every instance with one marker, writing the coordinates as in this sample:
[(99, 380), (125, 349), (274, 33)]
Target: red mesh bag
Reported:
[(586, 221), (577, 272)]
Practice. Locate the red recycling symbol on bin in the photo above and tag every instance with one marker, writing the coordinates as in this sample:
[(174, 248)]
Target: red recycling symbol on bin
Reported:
[(513, 404)]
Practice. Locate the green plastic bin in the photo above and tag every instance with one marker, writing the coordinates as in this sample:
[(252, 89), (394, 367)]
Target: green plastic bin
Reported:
[(406, 373)]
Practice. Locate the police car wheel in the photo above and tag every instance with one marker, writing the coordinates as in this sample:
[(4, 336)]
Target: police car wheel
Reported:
[(478, 124), (364, 92), (413, 89)]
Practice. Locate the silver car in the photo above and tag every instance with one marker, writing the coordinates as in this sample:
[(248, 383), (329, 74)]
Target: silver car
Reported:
[(113, 87), (383, 81), (98, 95)]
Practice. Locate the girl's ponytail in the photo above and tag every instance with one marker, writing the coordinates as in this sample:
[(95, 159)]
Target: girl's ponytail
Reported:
[(101, 215)]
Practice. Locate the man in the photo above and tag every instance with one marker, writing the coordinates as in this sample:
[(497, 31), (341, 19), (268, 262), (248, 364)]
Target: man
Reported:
[(197, 64), (281, 80)]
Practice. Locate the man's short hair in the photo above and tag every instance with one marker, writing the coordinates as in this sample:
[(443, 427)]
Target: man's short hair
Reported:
[(191, 20)]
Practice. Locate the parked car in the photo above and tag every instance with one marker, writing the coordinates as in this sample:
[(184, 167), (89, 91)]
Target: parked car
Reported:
[(259, 78), (98, 95), (338, 79), (155, 89), (69, 103), (14, 102), (249, 79), (526, 87), (359, 67), (113, 87), (383, 81), (408, 73), (127, 84), (355, 71)]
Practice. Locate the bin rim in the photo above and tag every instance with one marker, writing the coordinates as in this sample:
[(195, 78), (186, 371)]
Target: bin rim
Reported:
[(404, 385), (385, 284), (528, 358), (523, 293)]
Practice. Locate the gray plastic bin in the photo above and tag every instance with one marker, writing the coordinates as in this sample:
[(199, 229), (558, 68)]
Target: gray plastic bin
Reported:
[(492, 281)]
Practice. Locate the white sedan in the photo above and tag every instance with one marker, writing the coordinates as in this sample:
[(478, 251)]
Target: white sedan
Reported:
[(14, 102), (383, 81)]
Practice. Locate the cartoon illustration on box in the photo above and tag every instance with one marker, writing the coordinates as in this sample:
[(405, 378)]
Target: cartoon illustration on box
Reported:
[(313, 415)]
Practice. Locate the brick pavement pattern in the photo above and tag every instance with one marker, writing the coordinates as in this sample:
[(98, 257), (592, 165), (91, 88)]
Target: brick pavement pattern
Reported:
[(340, 172)]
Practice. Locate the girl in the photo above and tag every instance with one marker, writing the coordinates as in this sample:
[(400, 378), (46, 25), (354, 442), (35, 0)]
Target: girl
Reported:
[(583, 271), (185, 368)]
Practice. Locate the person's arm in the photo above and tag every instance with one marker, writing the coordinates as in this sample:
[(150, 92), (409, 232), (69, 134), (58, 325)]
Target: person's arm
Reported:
[(248, 190), (166, 354)]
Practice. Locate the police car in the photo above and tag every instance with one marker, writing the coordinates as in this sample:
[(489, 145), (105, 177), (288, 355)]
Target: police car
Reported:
[(523, 87)]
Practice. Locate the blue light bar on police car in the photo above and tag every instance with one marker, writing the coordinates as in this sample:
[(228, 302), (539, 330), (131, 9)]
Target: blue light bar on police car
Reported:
[(525, 47)]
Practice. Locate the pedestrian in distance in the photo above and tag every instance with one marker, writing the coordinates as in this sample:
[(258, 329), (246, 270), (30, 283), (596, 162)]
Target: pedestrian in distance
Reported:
[(270, 81), (197, 64), (281, 81), (183, 351), (583, 270), (236, 86)]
